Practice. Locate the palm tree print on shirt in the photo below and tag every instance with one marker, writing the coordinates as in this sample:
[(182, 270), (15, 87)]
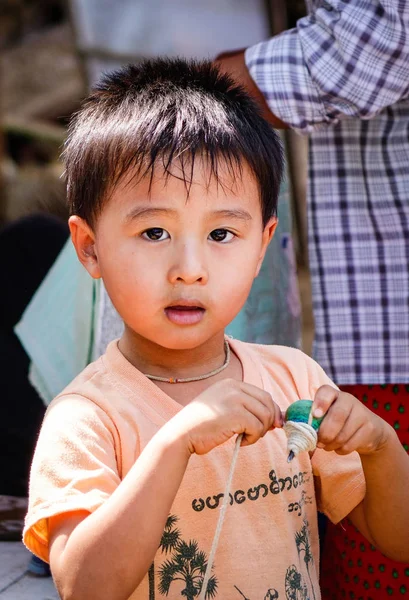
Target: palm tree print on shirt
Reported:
[(187, 563), (302, 540), (169, 541)]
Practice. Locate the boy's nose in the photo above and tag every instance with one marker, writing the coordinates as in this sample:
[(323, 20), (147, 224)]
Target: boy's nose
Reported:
[(188, 267)]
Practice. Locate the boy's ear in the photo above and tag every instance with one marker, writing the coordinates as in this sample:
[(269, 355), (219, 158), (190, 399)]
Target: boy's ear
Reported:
[(268, 233), (83, 239)]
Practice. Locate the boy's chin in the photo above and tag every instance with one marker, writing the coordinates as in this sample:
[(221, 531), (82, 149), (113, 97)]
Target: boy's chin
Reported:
[(188, 340)]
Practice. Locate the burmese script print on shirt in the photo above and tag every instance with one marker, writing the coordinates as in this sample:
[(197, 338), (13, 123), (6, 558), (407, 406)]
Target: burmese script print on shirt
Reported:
[(186, 562)]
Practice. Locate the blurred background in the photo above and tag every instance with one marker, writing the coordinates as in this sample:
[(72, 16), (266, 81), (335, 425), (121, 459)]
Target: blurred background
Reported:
[(53, 50)]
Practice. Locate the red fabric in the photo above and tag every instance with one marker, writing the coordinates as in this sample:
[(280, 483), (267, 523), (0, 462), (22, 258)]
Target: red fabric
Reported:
[(350, 566)]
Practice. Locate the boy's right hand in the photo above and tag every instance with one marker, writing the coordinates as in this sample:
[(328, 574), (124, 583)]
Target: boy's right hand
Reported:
[(226, 408)]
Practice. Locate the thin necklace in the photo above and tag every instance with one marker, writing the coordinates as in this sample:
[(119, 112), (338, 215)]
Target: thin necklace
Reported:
[(200, 377)]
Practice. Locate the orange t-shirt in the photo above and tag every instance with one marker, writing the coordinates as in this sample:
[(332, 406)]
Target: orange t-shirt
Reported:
[(95, 430)]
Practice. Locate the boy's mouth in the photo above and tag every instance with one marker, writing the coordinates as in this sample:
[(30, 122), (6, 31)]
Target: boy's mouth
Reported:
[(185, 314)]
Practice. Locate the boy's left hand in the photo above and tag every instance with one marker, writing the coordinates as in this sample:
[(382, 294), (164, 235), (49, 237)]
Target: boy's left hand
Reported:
[(348, 424)]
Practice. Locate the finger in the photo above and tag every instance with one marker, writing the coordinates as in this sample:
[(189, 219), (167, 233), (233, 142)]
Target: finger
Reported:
[(325, 396), (350, 427), (365, 440), (266, 399), (263, 413), (279, 417), (355, 442), (252, 431), (334, 422)]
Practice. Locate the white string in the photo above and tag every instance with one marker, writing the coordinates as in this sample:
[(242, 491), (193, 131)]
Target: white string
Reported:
[(216, 538), (301, 437)]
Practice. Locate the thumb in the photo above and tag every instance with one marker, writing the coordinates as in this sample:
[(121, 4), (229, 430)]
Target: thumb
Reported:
[(325, 396)]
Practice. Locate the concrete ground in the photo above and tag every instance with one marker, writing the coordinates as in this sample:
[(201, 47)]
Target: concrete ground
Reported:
[(15, 583)]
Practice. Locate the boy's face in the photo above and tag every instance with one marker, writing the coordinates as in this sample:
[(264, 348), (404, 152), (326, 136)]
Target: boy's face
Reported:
[(178, 269)]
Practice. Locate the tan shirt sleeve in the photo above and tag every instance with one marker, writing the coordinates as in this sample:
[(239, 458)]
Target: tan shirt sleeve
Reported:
[(339, 483), (74, 466)]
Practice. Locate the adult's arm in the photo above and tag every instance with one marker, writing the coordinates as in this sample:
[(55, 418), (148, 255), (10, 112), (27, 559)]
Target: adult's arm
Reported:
[(233, 63), (347, 59)]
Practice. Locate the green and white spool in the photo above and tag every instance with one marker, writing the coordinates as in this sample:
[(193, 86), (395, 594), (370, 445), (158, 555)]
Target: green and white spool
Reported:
[(301, 428)]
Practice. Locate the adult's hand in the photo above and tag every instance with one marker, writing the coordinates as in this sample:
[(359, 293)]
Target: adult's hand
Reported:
[(234, 64)]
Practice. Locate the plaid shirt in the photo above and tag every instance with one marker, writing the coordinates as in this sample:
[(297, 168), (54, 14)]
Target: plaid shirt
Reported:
[(342, 76)]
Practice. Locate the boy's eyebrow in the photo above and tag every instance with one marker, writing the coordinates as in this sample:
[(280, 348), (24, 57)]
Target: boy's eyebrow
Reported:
[(148, 211), (235, 213)]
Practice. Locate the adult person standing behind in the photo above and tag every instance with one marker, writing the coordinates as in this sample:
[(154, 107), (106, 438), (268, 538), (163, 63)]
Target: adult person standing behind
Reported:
[(342, 76)]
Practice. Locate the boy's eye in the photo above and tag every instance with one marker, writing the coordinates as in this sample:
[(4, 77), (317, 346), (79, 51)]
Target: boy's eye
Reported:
[(155, 234), (221, 235)]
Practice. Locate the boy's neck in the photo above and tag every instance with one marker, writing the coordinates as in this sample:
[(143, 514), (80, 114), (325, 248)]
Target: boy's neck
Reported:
[(152, 359)]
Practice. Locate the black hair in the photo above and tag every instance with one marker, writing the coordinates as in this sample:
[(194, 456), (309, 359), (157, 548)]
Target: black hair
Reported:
[(150, 114)]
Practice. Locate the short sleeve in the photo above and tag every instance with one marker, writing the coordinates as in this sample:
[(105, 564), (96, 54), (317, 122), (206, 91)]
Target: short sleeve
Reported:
[(339, 483), (74, 466)]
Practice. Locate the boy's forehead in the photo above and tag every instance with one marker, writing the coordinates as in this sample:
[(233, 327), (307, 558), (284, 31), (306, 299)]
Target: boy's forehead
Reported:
[(223, 180)]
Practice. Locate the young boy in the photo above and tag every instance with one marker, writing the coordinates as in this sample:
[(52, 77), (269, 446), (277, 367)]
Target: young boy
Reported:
[(172, 183)]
